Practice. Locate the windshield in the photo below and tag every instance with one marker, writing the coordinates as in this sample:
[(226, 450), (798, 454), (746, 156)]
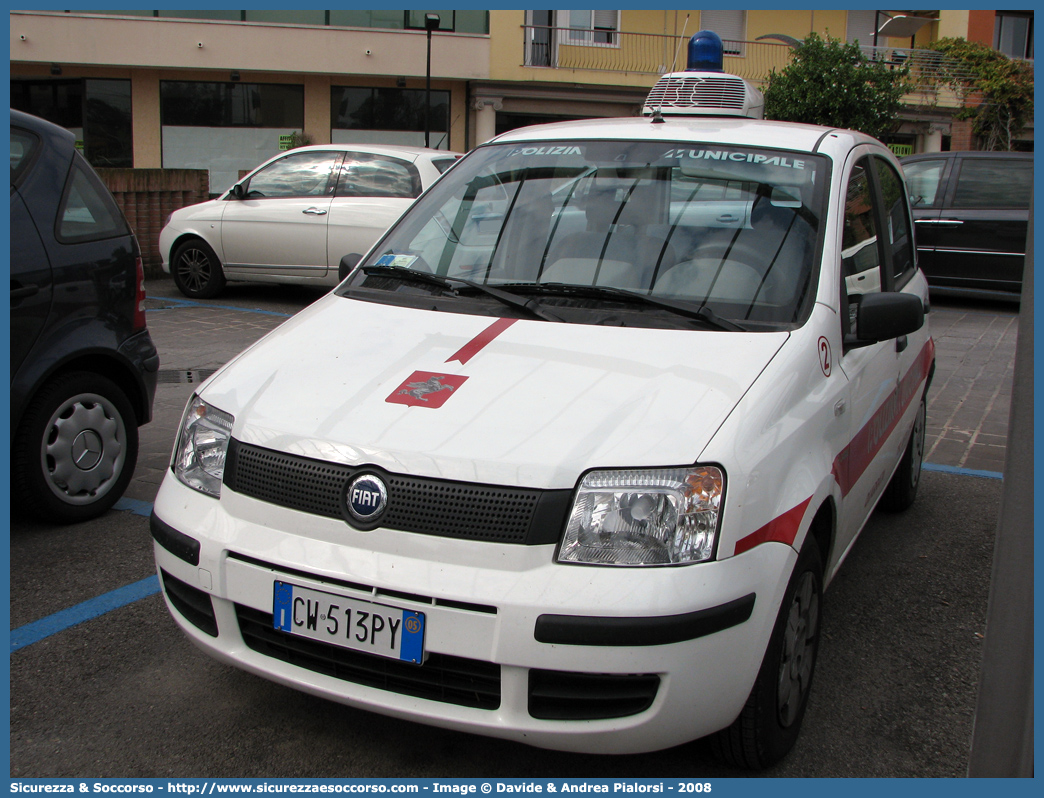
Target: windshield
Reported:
[(733, 230)]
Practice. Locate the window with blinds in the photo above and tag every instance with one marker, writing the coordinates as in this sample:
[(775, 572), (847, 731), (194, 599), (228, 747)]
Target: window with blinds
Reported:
[(731, 26), (860, 27), (599, 26)]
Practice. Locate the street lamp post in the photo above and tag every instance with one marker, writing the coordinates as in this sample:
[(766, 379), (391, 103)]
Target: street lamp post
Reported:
[(431, 22)]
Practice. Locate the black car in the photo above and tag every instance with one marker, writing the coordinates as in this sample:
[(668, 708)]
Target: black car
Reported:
[(83, 366), (971, 211)]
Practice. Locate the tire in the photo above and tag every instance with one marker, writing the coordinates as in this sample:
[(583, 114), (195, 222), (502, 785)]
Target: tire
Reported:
[(75, 451), (196, 270), (769, 724), (902, 489)]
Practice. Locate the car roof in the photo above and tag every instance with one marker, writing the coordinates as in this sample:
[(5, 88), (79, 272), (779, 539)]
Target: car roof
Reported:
[(713, 130), (400, 150), (42, 127), (925, 156)]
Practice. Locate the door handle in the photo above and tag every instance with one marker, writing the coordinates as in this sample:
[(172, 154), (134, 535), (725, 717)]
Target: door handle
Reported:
[(24, 291), (901, 343), (314, 212)]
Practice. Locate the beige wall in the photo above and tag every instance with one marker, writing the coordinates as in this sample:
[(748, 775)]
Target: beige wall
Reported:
[(146, 50), (174, 43)]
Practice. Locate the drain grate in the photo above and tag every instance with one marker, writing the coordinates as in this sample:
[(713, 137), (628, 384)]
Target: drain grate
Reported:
[(183, 376)]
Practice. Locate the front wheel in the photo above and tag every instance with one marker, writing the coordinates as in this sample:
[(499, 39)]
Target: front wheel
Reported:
[(74, 452), (768, 726), (196, 270), (902, 490)]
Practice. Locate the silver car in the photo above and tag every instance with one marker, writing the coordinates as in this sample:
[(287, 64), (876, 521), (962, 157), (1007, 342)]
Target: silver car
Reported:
[(296, 217)]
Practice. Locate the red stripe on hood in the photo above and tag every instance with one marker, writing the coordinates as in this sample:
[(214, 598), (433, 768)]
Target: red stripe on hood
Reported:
[(480, 341)]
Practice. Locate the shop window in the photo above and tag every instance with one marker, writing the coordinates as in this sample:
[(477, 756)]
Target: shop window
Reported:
[(197, 104), (298, 17), (97, 111), (456, 21), (351, 18), (388, 109)]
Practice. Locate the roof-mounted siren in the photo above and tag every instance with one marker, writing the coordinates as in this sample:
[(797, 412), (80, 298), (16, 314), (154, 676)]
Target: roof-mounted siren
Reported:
[(704, 89)]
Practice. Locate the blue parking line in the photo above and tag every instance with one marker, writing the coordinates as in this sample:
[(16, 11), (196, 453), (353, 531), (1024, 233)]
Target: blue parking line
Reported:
[(65, 619), (60, 621), (964, 472), (136, 506), (189, 303)]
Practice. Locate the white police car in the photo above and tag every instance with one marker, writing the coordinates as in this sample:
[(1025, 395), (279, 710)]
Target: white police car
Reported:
[(572, 454)]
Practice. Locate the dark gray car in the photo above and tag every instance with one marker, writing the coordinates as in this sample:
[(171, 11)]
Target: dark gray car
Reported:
[(971, 211), (83, 366)]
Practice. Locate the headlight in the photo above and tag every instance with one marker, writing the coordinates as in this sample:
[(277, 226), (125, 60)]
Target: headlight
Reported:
[(199, 456), (666, 516)]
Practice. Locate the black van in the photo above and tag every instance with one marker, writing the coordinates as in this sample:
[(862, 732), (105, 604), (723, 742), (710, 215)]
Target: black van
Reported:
[(971, 211), (83, 366)]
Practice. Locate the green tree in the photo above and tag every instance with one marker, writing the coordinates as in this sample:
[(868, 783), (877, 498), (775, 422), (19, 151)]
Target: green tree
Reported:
[(996, 91), (830, 82)]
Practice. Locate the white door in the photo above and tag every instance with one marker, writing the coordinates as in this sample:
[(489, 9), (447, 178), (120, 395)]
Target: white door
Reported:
[(373, 191), (279, 226), (864, 466)]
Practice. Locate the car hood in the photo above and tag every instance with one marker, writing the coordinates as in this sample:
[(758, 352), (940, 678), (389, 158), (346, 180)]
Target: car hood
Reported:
[(483, 399)]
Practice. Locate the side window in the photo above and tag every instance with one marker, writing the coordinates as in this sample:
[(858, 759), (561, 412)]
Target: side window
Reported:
[(368, 175), (305, 174), (924, 179), (860, 258), (23, 147), (87, 212), (994, 183), (898, 238)]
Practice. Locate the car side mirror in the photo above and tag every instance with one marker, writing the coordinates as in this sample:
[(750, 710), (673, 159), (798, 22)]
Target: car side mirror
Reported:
[(883, 316), (237, 191), (348, 262)]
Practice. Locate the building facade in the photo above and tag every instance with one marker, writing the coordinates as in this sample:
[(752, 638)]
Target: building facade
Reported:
[(224, 90)]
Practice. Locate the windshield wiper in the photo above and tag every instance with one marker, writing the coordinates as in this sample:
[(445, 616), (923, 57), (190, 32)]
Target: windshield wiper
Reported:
[(701, 313), (449, 284)]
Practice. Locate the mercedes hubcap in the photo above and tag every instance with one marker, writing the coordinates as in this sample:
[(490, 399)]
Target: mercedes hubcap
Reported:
[(82, 453)]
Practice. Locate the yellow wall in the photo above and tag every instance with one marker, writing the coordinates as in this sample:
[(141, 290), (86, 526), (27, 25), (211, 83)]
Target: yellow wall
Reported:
[(507, 51)]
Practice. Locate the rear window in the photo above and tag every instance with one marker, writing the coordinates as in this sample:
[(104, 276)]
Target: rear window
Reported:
[(368, 175), (988, 183), (442, 164), (23, 147), (88, 212)]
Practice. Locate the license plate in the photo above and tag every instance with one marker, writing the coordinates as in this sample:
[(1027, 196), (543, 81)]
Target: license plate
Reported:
[(349, 623)]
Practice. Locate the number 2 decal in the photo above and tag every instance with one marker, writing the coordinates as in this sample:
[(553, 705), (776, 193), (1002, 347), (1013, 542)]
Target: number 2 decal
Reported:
[(825, 359)]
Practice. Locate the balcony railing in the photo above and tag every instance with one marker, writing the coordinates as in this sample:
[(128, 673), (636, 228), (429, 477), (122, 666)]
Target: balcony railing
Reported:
[(655, 54)]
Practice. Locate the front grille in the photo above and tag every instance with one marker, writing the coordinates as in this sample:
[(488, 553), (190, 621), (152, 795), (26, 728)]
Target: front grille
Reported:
[(561, 695), (445, 678), (697, 92), (192, 603), (444, 508)]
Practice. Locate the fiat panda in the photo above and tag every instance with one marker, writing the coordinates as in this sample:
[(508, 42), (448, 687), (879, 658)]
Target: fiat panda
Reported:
[(571, 455)]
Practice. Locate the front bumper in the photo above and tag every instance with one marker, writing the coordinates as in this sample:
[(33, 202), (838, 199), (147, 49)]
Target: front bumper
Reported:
[(587, 659)]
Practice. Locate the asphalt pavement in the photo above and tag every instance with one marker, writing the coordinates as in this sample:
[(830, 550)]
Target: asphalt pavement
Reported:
[(104, 685)]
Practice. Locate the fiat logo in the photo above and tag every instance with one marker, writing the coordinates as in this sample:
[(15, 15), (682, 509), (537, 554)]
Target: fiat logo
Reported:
[(365, 498)]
